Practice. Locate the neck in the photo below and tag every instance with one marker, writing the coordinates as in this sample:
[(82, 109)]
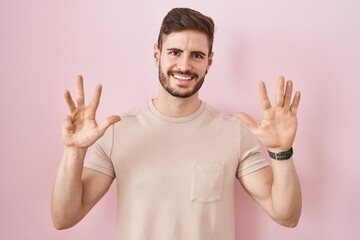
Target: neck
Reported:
[(176, 107)]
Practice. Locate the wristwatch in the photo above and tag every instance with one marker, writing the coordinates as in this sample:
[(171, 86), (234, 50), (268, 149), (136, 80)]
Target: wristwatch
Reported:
[(281, 155)]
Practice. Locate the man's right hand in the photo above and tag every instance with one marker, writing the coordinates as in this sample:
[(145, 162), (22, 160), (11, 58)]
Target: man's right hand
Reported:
[(79, 128)]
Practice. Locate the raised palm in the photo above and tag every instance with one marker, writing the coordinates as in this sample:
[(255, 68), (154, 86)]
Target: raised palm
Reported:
[(80, 128), (278, 128)]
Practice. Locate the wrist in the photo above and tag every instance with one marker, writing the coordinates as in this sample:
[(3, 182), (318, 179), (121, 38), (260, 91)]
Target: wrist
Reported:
[(73, 159), (76, 151)]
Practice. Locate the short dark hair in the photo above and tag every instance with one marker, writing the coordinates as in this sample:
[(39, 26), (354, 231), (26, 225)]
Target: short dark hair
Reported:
[(180, 19)]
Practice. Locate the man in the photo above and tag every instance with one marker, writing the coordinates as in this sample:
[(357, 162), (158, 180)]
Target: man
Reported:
[(176, 160)]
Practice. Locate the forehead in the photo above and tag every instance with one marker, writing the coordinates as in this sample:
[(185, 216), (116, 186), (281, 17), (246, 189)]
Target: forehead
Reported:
[(187, 40)]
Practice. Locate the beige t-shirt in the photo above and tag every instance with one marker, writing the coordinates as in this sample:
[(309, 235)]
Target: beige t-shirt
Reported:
[(176, 176)]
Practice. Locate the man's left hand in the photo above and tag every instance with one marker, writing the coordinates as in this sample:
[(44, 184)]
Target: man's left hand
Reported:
[(278, 128)]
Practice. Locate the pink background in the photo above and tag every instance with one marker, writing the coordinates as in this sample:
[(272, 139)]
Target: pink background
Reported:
[(45, 44)]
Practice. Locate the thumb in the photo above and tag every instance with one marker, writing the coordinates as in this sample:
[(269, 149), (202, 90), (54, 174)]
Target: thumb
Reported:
[(249, 121), (108, 122), (67, 130), (67, 124)]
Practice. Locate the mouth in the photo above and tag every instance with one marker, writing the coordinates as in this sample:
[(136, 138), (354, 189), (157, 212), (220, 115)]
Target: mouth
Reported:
[(183, 76)]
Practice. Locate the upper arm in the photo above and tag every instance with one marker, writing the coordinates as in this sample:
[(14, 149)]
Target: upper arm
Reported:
[(258, 185), (281, 201), (95, 185)]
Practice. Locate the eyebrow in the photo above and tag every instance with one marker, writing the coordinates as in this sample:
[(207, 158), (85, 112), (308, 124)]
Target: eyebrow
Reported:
[(193, 52)]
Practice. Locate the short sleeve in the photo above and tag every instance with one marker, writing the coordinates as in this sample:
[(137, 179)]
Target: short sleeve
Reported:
[(100, 154), (250, 157)]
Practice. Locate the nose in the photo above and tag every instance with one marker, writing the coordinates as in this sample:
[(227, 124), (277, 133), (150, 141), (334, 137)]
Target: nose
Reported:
[(184, 63)]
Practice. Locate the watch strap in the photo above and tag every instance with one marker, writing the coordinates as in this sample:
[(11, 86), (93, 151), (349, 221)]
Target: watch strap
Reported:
[(281, 155)]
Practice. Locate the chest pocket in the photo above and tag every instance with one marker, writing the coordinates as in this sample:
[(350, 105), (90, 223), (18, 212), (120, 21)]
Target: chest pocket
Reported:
[(207, 182)]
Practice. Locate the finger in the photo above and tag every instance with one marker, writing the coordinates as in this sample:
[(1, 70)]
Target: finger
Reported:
[(69, 101), (80, 91), (279, 99), (288, 94), (249, 121), (108, 122), (264, 98), (94, 103), (295, 104)]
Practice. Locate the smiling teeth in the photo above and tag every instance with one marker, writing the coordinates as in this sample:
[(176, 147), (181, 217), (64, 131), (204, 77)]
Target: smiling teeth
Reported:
[(182, 77)]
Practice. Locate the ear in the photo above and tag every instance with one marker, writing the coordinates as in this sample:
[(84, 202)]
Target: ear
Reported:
[(210, 61), (156, 55)]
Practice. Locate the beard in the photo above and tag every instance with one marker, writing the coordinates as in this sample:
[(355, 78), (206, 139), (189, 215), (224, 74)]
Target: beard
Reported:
[(173, 91)]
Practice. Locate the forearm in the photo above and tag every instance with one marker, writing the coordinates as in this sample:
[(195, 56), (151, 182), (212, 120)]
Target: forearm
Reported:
[(67, 193), (286, 193)]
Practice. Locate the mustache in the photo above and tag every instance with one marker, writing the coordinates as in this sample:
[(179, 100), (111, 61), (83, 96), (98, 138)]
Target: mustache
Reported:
[(183, 73)]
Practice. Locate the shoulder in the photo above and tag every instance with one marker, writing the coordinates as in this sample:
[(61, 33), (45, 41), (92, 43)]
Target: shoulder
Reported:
[(133, 119), (133, 113), (231, 120), (217, 114)]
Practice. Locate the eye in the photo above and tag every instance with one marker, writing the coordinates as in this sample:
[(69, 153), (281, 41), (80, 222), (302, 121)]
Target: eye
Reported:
[(198, 56), (174, 53)]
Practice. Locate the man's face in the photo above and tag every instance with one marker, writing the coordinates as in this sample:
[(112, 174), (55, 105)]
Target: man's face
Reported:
[(183, 62)]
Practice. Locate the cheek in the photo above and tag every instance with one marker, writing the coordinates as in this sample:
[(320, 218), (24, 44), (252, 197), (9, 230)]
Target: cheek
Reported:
[(168, 62), (166, 65), (203, 68)]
